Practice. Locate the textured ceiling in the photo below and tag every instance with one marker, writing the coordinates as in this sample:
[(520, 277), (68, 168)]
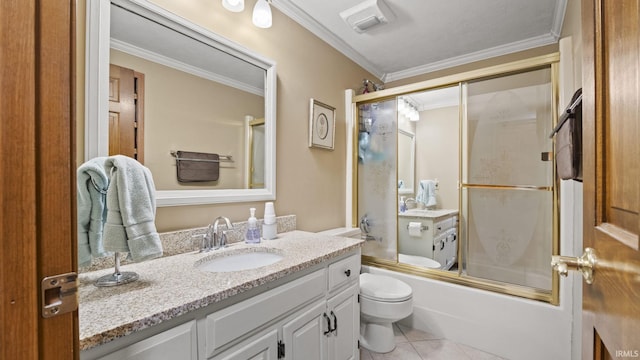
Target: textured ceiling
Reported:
[(428, 35)]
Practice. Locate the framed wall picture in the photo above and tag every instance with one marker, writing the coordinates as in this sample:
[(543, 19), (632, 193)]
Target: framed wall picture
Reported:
[(322, 125)]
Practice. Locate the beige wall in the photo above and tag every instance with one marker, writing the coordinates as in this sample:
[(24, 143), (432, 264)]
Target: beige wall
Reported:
[(307, 68), (207, 118), (310, 182), (526, 54), (572, 26), (437, 153)]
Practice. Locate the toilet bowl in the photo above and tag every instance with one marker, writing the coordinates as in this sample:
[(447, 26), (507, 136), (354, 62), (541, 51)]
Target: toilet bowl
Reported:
[(383, 301), (419, 261)]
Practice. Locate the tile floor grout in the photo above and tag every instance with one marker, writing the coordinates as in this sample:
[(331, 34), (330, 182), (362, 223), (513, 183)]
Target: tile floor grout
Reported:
[(412, 344)]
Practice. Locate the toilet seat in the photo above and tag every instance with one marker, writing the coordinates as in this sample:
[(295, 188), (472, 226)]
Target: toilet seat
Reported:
[(384, 288)]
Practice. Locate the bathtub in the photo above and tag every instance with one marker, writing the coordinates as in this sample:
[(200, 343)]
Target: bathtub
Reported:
[(507, 326)]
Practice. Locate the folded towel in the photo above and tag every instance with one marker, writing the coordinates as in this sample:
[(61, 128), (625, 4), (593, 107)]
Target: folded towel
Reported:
[(189, 169), (131, 209), (92, 188)]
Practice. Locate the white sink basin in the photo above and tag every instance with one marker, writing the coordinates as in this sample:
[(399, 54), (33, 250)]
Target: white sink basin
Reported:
[(239, 260)]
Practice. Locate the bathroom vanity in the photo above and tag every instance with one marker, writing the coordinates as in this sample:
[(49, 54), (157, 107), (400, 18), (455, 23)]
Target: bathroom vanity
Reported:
[(304, 306), (436, 238)]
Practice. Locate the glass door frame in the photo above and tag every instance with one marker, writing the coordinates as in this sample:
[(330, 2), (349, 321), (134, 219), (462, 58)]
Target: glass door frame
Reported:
[(550, 60)]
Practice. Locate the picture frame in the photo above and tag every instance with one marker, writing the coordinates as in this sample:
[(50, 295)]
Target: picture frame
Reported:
[(322, 125)]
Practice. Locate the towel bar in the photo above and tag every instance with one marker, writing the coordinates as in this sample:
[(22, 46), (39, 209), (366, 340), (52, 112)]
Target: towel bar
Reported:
[(223, 158)]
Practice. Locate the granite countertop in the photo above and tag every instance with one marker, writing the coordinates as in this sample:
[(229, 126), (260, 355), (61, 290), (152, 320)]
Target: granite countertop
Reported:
[(171, 286), (425, 213)]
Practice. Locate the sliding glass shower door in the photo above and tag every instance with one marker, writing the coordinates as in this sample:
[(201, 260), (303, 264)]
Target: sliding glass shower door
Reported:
[(377, 179), (508, 179)]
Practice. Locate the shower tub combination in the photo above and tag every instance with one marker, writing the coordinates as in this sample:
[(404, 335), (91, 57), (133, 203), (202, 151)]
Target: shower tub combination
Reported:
[(482, 319)]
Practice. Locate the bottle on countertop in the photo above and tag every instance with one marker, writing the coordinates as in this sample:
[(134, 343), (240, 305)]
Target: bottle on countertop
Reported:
[(269, 227), (252, 235), (402, 205)]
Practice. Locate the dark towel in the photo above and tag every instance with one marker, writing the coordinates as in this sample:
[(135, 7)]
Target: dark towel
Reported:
[(197, 171)]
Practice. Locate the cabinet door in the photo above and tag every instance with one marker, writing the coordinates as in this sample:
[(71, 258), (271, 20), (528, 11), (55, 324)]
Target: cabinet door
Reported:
[(177, 343), (344, 311), (260, 347), (303, 336)]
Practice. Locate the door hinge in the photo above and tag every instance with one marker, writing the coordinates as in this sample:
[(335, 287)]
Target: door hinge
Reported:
[(59, 294), (280, 349), (358, 344)]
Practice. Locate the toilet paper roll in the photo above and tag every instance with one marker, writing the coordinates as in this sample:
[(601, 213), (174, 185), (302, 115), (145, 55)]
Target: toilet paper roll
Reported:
[(415, 229)]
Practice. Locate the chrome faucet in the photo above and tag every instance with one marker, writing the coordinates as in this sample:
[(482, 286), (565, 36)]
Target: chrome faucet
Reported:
[(219, 240), (214, 239)]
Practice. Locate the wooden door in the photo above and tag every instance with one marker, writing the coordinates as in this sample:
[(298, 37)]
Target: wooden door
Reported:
[(37, 163), (126, 116), (611, 119)]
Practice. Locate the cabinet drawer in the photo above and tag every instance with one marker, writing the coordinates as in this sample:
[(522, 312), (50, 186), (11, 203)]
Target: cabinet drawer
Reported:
[(226, 325), (344, 271)]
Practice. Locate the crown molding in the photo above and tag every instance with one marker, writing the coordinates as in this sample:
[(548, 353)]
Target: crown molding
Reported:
[(472, 57), (181, 66), (558, 18)]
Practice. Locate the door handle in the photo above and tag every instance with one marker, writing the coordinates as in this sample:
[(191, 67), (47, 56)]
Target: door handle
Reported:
[(335, 323), (329, 330), (585, 264)]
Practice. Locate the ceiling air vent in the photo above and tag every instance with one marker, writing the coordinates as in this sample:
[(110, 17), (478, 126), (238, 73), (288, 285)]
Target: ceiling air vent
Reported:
[(366, 15)]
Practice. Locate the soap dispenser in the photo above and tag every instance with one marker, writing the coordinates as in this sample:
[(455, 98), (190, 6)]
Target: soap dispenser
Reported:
[(253, 233), (402, 205), (269, 228)]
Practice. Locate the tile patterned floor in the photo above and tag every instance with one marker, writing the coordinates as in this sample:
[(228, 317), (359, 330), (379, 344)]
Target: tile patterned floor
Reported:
[(414, 344)]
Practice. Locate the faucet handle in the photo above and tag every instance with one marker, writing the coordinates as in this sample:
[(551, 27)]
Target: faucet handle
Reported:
[(223, 239), (203, 241)]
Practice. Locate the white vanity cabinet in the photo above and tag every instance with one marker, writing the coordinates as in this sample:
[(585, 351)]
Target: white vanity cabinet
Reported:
[(314, 316), (326, 328), (438, 237), (176, 343)]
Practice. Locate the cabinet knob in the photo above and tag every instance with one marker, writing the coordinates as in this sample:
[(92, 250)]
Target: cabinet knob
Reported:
[(347, 272)]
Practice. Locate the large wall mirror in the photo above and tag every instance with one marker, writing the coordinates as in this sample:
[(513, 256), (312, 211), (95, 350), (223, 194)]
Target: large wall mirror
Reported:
[(200, 93)]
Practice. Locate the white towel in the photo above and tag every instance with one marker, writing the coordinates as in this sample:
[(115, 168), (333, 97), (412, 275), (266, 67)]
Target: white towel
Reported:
[(131, 209), (92, 188)]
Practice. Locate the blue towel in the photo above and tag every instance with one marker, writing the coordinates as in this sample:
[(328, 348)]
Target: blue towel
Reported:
[(92, 188), (427, 193), (131, 209)]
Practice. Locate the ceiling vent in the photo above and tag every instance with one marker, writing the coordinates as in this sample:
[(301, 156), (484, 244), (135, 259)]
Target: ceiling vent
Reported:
[(366, 15)]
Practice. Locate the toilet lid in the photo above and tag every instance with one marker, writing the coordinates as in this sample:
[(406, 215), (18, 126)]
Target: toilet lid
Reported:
[(383, 288)]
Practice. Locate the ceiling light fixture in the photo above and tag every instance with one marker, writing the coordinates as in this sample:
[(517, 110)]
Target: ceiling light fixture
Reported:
[(262, 14), (233, 5)]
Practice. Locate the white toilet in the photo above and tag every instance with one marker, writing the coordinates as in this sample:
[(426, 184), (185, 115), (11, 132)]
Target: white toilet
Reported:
[(383, 301)]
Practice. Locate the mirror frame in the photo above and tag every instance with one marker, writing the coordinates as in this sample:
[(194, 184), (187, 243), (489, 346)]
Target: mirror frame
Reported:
[(96, 141)]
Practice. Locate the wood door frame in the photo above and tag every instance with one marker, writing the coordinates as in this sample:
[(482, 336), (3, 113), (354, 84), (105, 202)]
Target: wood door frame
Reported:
[(38, 209)]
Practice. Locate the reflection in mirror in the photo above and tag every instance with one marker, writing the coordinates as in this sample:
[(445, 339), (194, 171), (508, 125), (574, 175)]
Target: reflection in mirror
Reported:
[(199, 89), (406, 161), (256, 154), (427, 231)]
